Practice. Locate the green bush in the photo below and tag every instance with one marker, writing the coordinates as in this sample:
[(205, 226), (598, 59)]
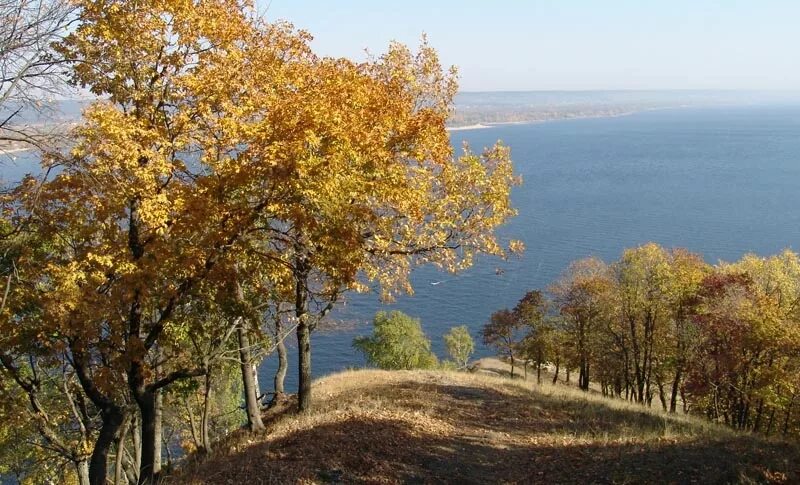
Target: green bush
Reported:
[(397, 342)]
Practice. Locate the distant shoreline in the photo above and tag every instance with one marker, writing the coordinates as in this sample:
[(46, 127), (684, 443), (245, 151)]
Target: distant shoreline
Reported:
[(492, 124)]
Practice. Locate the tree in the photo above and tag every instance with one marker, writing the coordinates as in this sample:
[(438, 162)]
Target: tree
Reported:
[(641, 277), (582, 296), (503, 333), (460, 345), (397, 342), (688, 271), (122, 269), (369, 211), (537, 345), (30, 70)]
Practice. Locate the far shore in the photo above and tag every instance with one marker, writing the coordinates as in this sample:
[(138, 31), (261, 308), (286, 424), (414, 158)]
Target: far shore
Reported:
[(492, 124)]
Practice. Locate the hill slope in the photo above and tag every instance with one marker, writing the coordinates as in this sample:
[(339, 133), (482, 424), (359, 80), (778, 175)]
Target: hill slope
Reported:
[(374, 426)]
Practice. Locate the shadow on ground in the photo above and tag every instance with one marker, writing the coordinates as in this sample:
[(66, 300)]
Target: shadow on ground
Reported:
[(506, 437)]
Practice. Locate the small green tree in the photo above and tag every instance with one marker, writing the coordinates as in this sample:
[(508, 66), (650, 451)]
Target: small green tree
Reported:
[(459, 345), (397, 342)]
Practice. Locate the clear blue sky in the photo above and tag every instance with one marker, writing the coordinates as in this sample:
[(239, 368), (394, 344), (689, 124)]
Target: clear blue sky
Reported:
[(572, 44)]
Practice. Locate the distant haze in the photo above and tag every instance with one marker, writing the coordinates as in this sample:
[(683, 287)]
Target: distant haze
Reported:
[(571, 44)]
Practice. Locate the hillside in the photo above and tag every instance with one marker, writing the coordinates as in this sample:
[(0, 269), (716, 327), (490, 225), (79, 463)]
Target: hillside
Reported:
[(373, 426)]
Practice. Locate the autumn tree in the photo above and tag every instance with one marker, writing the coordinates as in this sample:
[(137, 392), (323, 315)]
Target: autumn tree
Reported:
[(369, 211), (688, 271), (154, 196), (582, 297), (641, 285), (503, 332)]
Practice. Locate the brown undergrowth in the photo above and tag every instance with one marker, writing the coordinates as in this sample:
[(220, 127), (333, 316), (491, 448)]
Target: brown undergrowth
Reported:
[(374, 426)]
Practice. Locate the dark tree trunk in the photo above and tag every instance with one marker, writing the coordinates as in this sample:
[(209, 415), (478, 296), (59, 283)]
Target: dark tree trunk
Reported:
[(788, 415), (303, 335), (673, 400), (512, 367), (771, 421), (147, 409), (583, 376), (685, 403), (98, 464), (252, 406), (661, 395), (538, 371), (555, 377)]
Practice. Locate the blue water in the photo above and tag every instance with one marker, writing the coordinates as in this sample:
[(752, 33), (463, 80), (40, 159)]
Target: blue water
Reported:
[(722, 181), (719, 181)]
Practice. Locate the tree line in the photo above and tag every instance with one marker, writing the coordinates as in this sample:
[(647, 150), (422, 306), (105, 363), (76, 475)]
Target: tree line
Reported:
[(227, 189), (661, 327)]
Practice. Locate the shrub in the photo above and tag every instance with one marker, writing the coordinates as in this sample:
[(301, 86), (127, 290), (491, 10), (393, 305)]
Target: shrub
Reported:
[(397, 342)]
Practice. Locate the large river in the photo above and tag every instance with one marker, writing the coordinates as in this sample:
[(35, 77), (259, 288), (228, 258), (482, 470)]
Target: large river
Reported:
[(719, 181)]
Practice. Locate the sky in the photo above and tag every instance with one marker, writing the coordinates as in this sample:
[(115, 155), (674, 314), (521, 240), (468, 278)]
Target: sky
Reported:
[(572, 44)]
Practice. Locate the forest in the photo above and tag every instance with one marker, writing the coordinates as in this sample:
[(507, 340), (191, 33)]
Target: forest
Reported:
[(661, 327), (226, 188)]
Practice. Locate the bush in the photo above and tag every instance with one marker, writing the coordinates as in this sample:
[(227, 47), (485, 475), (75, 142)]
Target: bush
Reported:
[(459, 345), (397, 342)]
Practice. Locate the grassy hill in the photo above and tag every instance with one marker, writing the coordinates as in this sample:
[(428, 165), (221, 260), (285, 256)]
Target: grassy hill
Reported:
[(373, 426)]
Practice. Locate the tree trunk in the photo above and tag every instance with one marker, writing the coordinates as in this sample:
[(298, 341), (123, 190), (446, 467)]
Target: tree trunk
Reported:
[(82, 470), (136, 437), (206, 417), (512, 367), (157, 430), (256, 384), (158, 408), (787, 415), (98, 464), (304, 354), (583, 375), (252, 407), (539, 372), (283, 365), (555, 377), (673, 400), (192, 424), (147, 409), (771, 421), (303, 335), (123, 434)]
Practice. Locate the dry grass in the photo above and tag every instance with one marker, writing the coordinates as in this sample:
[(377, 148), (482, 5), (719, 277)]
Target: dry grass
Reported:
[(373, 426)]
